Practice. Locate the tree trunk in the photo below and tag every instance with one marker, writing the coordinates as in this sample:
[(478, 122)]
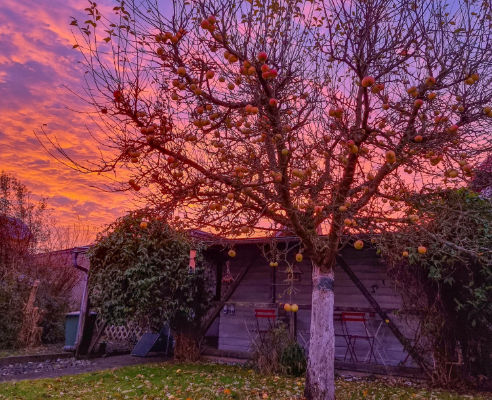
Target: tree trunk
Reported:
[(186, 347), (320, 375)]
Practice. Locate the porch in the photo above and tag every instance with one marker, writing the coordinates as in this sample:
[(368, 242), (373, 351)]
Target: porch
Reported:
[(363, 338)]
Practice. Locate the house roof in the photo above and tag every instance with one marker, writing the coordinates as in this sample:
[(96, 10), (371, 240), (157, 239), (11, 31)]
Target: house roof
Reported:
[(212, 239), (215, 239)]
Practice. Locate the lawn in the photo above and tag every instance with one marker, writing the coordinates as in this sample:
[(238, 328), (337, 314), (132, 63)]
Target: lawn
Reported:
[(198, 381)]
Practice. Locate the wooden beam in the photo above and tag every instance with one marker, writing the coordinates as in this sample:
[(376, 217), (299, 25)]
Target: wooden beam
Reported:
[(96, 336), (219, 265), (210, 319), (384, 316), (84, 306), (274, 284), (293, 325)]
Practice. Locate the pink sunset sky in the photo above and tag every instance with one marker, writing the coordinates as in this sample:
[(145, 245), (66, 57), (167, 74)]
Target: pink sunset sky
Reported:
[(37, 66)]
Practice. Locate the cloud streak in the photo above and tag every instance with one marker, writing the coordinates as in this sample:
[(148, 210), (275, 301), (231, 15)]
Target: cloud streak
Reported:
[(37, 64)]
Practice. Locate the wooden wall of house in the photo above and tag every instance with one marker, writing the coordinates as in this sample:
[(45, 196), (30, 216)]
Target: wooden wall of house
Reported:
[(236, 330), (63, 259)]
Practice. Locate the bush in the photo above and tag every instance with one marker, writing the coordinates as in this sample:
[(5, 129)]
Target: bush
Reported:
[(24, 232), (293, 359), (12, 298), (54, 307), (141, 273), (450, 287), (51, 300), (276, 352)]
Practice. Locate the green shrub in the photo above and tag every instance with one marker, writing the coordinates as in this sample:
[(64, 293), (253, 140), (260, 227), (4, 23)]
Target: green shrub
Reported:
[(54, 304), (13, 294), (450, 287), (24, 234), (293, 359), (54, 307), (276, 352), (142, 274)]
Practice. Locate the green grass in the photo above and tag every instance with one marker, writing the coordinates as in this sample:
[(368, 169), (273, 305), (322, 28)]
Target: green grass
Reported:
[(197, 381)]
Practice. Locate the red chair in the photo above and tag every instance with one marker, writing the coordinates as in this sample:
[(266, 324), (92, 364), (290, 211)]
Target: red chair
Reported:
[(354, 320), (267, 314)]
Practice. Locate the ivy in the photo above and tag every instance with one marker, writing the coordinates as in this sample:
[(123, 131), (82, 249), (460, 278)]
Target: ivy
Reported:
[(450, 287), (142, 274)]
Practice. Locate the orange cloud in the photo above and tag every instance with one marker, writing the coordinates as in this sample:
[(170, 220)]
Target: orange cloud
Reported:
[(37, 64)]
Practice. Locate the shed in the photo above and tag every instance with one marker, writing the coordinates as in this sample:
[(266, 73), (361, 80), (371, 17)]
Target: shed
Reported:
[(256, 285)]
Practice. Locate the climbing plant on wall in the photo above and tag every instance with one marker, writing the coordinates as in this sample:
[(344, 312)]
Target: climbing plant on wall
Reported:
[(140, 271), (451, 289)]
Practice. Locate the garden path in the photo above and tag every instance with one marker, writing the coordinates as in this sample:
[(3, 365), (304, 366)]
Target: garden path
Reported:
[(70, 366)]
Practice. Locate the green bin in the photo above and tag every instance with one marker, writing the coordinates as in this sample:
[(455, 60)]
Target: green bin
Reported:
[(71, 325)]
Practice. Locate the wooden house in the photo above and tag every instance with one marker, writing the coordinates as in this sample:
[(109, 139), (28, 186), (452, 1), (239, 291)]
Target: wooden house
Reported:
[(247, 287)]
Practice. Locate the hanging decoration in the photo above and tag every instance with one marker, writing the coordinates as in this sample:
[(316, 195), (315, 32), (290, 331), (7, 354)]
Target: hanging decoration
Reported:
[(192, 260), (228, 278)]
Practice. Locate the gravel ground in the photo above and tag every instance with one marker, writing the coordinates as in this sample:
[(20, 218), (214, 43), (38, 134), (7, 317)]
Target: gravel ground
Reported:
[(70, 366), (13, 370)]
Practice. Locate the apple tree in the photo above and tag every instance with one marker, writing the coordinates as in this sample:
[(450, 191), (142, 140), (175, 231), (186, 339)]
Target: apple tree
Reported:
[(317, 116)]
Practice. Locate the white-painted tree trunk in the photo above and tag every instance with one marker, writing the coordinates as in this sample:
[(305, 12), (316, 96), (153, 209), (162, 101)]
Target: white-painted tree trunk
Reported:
[(320, 376)]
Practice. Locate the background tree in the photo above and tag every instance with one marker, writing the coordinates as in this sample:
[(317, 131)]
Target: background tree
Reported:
[(450, 290), (140, 272), (25, 232), (23, 222), (319, 116)]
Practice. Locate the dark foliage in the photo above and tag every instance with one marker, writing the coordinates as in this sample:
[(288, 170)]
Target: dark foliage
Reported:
[(293, 359), (274, 351), (24, 231), (140, 272), (450, 287)]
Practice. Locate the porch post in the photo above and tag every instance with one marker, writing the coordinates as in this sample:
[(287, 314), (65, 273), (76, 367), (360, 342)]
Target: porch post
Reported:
[(274, 285)]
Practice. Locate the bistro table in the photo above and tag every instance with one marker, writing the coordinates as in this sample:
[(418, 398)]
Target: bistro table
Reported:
[(379, 334), (376, 326)]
